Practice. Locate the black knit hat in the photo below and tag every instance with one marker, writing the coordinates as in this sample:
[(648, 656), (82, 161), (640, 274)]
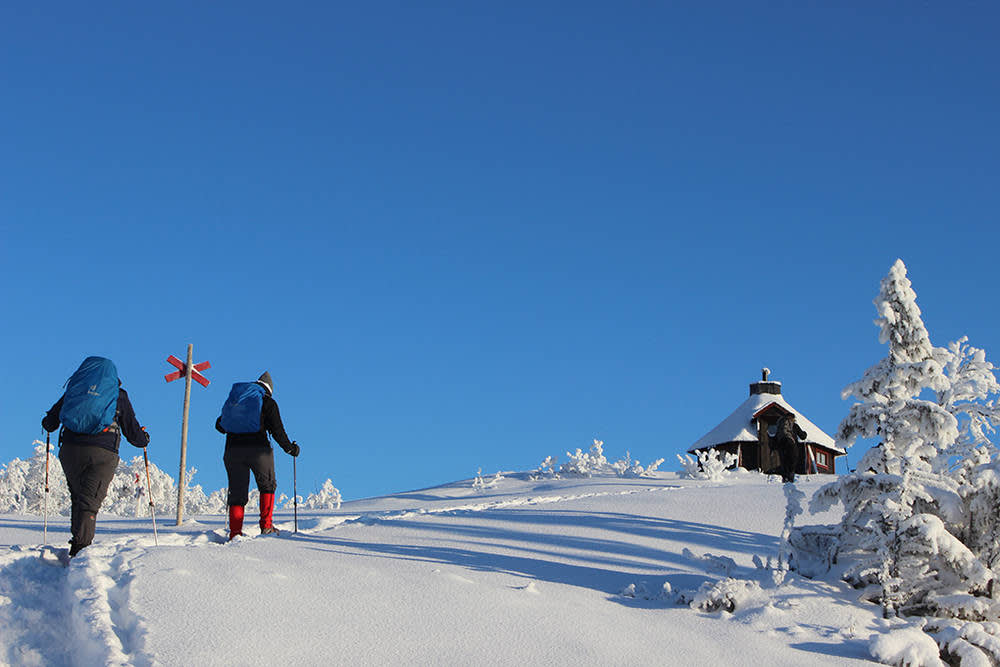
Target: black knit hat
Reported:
[(265, 379)]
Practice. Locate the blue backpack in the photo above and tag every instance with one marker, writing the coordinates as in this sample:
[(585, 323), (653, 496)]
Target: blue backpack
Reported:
[(241, 411), (91, 397)]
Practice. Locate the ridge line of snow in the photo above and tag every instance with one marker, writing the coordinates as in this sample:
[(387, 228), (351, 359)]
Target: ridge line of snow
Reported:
[(370, 518)]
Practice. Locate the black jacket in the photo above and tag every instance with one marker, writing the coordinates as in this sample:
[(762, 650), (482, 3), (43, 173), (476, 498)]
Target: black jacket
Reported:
[(789, 433), (270, 422), (125, 422)]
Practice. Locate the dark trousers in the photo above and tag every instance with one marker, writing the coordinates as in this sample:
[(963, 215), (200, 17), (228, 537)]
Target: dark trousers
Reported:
[(239, 462), (89, 470), (789, 454)]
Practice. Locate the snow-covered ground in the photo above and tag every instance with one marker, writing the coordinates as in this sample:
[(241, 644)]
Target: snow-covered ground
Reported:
[(564, 571)]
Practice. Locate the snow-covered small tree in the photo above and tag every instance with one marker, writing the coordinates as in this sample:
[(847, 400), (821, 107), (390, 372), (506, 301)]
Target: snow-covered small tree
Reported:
[(546, 468), (22, 484), (327, 498), (586, 463), (907, 505), (629, 467), (711, 464)]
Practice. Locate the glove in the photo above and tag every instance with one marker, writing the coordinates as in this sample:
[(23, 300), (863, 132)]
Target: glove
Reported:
[(293, 449)]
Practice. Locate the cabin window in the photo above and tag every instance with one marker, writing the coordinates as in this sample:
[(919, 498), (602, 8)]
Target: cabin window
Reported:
[(822, 459)]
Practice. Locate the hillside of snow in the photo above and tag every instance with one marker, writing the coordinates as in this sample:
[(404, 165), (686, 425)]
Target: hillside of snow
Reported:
[(562, 571)]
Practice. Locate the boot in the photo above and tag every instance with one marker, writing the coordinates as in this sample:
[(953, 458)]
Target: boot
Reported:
[(266, 512), (83, 528), (235, 520)]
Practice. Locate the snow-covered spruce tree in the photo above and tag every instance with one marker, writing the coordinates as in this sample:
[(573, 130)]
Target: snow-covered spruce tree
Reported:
[(22, 488), (905, 513), (22, 484), (327, 498)]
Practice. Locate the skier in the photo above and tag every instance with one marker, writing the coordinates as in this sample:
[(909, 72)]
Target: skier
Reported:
[(94, 411), (248, 415), (788, 446)]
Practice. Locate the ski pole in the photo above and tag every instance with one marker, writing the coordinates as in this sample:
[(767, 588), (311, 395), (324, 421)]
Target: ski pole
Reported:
[(295, 493), (149, 488), (45, 520)]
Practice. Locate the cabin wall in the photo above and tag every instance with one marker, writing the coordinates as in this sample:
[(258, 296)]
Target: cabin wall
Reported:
[(826, 460), (750, 453)]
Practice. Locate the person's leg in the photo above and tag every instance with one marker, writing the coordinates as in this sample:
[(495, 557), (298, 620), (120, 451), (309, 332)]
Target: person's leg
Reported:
[(262, 465), (238, 472), (70, 463), (96, 470)]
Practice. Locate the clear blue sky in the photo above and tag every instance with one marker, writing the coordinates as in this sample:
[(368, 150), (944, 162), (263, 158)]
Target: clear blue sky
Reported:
[(475, 234)]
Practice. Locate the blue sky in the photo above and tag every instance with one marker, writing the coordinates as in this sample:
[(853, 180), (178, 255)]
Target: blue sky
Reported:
[(467, 235)]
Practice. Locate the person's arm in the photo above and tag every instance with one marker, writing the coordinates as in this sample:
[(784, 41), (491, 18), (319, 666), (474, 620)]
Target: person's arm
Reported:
[(271, 418), (799, 432), (218, 425), (128, 423), (50, 421)]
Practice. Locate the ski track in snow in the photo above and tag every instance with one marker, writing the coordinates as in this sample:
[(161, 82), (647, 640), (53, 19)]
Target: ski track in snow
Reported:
[(80, 615)]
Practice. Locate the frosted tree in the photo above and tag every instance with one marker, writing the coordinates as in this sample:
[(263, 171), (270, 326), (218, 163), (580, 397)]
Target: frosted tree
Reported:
[(327, 498), (711, 464), (906, 506), (588, 463), (22, 484)]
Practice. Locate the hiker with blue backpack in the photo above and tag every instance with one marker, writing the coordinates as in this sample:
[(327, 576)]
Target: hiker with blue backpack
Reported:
[(248, 415), (94, 412)]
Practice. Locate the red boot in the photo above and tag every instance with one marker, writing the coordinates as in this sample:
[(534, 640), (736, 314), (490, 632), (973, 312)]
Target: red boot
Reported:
[(235, 520), (266, 511)]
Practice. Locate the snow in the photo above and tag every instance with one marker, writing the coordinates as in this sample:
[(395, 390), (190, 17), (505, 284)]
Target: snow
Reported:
[(906, 646), (598, 570), (740, 425)]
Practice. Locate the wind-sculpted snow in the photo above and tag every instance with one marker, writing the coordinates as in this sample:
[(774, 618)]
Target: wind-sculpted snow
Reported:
[(554, 571)]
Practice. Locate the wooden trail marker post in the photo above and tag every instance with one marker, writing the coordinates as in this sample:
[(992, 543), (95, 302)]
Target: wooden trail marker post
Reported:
[(189, 372)]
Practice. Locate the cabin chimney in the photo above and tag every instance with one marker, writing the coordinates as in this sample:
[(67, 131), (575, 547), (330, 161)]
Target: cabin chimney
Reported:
[(765, 386)]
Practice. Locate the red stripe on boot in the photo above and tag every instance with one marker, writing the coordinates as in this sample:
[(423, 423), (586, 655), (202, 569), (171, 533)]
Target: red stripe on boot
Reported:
[(235, 520), (266, 512)]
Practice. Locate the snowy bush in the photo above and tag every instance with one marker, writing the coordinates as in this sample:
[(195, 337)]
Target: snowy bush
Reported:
[(628, 468), (327, 498), (641, 591), (920, 513), (793, 508), (586, 463), (711, 464), (726, 595), (547, 468), (481, 484), (906, 647), (965, 643), (592, 462)]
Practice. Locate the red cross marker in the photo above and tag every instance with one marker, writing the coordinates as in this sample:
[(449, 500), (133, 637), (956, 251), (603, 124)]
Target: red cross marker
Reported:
[(182, 371), (188, 371)]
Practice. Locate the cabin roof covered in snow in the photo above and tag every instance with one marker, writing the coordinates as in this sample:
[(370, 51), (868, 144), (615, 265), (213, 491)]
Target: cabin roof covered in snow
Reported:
[(740, 426)]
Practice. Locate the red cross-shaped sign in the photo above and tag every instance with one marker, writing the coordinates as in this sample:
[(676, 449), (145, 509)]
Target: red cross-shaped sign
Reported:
[(182, 371)]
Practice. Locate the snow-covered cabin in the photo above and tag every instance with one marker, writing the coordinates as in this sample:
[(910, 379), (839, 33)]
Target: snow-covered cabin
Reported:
[(749, 430)]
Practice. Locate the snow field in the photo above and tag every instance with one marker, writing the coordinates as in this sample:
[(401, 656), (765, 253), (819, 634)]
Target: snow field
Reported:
[(527, 571)]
